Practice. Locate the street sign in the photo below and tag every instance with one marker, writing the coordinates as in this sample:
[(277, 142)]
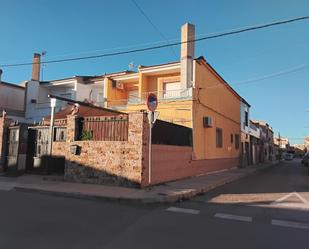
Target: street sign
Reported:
[(152, 102)]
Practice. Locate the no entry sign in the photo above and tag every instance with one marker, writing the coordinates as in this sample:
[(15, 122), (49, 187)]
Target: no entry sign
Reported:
[(152, 102)]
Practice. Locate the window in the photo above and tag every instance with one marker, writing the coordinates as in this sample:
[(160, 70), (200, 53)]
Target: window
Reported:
[(219, 139), (246, 119), (232, 138), (171, 90), (237, 141), (133, 96)]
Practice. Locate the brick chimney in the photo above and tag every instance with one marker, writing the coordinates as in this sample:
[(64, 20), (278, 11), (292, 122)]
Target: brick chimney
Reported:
[(187, 55), (36, 66)]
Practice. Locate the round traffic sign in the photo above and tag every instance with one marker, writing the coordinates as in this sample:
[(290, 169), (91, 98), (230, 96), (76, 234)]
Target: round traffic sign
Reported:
[(152, 102)]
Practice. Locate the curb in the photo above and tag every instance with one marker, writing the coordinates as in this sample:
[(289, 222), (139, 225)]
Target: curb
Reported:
[(148, 200)]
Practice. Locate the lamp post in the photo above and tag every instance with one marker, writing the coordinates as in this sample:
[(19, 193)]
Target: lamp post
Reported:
[(51, 126)]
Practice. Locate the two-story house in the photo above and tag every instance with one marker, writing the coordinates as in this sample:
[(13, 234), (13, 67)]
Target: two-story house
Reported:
[(80, 88), (191, 93)]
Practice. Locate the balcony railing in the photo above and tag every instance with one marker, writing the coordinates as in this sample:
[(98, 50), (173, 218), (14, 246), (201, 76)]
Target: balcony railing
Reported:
[(162, 96)]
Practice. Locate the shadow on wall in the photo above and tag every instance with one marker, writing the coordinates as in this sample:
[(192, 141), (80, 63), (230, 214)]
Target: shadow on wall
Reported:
[(76, 172)]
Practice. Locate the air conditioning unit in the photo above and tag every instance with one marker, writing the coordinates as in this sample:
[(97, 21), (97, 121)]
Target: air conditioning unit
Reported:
[(207, 122), (119, 86)]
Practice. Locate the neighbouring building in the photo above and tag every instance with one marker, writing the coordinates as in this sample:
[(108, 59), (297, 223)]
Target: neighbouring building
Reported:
[(267, 152), (255, 135), (246, 156), (12, 100), (282, 142), (80, 88)]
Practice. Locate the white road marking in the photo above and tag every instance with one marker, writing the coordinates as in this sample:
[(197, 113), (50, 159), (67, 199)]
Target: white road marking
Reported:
[(183, 210), (281, 199), (293, 224), (233, 217)]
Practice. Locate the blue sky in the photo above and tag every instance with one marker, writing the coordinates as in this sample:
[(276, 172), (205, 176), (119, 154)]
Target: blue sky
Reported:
[(73, 28)]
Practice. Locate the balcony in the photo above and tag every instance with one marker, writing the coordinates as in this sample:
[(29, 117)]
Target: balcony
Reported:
[(163, 96)]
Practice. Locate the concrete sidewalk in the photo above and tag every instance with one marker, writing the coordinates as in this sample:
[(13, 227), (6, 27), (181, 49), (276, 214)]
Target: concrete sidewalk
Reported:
[(165, 193)]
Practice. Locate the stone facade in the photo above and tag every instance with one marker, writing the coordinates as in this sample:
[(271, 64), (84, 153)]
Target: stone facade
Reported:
[(116, 162), (4, 122)]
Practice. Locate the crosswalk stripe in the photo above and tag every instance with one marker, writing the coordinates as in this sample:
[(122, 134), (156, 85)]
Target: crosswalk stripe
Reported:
[(233, 217), (183, 210)]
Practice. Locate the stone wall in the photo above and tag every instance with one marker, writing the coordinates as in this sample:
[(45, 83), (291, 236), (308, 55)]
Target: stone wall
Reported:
[(116, 162), (4, 122)]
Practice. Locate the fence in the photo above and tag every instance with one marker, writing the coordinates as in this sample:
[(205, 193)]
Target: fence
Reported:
[(171, 134), (104, 128)]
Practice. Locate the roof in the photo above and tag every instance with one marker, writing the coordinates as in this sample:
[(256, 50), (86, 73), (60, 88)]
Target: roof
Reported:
[(87, 77), (157, 65), (11, 85), (85, 111)]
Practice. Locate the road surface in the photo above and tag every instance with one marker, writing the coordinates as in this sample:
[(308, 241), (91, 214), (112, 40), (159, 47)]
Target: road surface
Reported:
[(269, 209)]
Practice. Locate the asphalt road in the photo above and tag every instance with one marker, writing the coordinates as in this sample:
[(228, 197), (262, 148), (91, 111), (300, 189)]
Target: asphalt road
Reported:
[(269, 209)]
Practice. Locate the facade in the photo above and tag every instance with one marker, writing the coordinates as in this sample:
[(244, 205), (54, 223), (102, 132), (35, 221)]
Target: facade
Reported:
[(191, 93), (80, 88), (267, 152), (12, 100), (246, 158), (255, 135), (282, 142)]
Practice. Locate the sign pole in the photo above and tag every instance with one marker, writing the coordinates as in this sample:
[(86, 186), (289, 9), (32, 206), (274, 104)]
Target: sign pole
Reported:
[(150, 146), (51, 127), (152, 103)]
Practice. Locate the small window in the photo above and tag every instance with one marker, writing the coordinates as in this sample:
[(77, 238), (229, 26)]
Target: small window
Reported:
[(237, 141), (232, 139), (246, 119), (219, 139)]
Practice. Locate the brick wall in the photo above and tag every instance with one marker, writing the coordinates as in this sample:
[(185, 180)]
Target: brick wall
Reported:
[(117, 162)]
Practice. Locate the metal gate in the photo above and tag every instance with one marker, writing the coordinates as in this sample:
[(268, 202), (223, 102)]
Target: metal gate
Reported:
[(41, 145), (12, 152), (16, 148), (39, 159)]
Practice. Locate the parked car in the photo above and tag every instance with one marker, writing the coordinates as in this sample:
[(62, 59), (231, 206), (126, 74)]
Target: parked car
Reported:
[(288, 156), (305, 160)]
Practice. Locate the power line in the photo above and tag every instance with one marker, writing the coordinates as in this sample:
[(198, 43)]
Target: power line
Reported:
[(152, 24), (263, 26)]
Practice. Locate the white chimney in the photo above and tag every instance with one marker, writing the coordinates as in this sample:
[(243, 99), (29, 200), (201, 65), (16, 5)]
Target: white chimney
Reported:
[(187, 55)]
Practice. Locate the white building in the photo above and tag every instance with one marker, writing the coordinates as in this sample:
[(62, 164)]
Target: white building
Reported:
[(245, 133), (12, 100), (80, 88)]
